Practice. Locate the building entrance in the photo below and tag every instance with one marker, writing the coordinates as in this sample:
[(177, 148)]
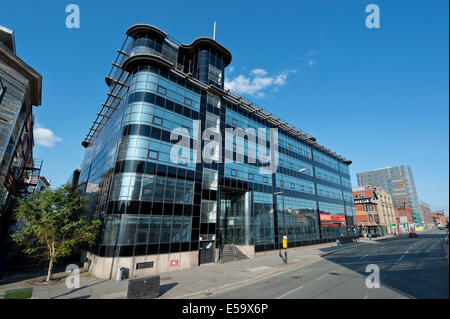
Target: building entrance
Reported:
[(235, 223), (206, 253)]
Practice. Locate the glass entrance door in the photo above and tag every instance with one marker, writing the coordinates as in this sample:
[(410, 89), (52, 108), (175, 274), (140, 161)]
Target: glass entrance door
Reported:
[(235, 222)]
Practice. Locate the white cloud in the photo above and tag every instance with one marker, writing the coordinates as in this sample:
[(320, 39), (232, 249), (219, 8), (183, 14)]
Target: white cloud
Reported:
[(309, 60), (258, 72), (257, 82), (45, 137)]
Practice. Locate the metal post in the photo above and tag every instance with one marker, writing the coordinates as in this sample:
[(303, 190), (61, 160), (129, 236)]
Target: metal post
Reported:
[(284, 226), (284, 216), (284, 222)]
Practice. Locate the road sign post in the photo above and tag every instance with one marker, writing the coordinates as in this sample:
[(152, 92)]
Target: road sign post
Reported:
[(284, 242)]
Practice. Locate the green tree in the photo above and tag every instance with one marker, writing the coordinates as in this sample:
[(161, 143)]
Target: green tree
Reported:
[(52, 224)]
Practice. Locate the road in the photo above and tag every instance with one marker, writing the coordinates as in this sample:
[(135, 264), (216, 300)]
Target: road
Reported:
[(409, 268)]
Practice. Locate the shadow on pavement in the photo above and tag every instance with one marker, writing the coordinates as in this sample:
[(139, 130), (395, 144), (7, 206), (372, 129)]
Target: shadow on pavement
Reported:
[(165, 288), (344, 243), (21, 275), (19, 267), (422, 274), (82, 297), (75, 290)]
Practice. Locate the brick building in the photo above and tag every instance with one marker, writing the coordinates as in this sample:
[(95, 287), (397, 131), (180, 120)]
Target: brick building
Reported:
[(427, 217), (386, 211), (404, 210), (439, 219), (367, 212)]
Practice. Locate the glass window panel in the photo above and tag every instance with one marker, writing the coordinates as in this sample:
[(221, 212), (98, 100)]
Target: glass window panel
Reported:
[(165, 229), (209, 211)]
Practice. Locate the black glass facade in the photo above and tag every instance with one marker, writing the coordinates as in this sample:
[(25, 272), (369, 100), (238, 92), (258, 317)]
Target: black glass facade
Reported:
[(154, 200)]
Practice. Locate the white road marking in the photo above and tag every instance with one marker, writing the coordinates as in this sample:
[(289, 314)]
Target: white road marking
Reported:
[(363, 256), (284, 295), (259, 268), (401, 257), (323, 276), (366, 296)]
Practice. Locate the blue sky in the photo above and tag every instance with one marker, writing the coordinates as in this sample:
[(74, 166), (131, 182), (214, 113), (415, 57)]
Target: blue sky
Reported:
[(376, 96)]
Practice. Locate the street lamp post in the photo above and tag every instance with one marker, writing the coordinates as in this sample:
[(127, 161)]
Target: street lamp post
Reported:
[(284, 214)]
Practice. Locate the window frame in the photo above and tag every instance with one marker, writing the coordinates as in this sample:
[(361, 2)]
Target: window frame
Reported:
[(157, 117), (213, 212), (188, 99), (206, 182), (153, 151), (161, 87)]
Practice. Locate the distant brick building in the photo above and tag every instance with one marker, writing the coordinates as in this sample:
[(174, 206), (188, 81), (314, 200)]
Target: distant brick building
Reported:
[(427, 217), (403, 210), (386, 211), (367, 215), (439, 219)]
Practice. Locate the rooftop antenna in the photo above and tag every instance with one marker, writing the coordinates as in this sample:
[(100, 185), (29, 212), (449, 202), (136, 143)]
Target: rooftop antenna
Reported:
[(214, 33)]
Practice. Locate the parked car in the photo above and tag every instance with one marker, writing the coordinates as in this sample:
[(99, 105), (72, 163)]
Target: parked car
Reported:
[(412, 234)]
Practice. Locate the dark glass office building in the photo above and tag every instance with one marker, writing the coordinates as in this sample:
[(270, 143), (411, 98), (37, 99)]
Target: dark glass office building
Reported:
[(166, 207)]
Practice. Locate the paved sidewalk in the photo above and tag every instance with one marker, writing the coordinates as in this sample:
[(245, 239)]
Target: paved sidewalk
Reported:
[(187, 283), (211, 277)]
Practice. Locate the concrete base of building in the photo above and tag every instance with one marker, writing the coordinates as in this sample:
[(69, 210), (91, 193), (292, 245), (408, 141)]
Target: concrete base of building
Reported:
[(106, 267)]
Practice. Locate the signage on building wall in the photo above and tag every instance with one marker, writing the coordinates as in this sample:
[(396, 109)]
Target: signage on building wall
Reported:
[(174, 262), (365, 201), (335, 218), (332, 220)]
